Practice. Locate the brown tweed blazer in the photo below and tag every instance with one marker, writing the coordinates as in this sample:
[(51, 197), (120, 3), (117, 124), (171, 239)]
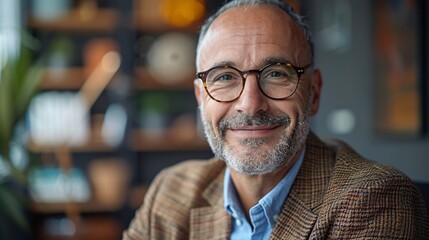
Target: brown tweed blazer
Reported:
[(336, 195)]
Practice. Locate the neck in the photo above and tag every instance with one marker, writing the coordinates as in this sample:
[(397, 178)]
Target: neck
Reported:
[(251, 188)]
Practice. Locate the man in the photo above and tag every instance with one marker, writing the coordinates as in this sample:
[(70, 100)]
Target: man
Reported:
[(272, 177)]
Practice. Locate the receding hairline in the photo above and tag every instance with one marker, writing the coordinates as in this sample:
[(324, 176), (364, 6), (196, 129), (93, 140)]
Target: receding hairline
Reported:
[(286, 8)]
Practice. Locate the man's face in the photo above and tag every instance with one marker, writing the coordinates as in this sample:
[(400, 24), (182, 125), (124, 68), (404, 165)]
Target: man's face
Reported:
[(255, 134)]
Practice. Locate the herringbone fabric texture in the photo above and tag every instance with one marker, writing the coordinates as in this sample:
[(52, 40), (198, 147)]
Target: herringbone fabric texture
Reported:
[(336, 195)]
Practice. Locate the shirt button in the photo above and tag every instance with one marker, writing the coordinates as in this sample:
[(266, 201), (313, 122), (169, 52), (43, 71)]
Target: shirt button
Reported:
[(275, 217), (238, 222)]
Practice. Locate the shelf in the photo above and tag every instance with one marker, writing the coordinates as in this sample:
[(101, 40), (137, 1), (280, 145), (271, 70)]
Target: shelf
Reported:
[(86, 207), (145, 81), (87, 228), (100, 21), (168, 140), (156, 25), (160, 28), (135, 200), (63, 79), (91, 146)]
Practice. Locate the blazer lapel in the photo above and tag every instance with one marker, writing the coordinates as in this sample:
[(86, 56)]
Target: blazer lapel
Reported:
[(211, 222), (295, 221), (300, 210)]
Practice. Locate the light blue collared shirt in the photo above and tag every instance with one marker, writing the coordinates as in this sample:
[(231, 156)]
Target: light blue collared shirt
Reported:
[(263, 215)]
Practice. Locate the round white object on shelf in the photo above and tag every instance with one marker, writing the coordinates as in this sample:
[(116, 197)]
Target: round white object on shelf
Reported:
[(171, 58)]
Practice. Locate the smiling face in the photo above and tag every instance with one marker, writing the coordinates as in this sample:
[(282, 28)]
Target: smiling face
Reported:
[(255, 134)]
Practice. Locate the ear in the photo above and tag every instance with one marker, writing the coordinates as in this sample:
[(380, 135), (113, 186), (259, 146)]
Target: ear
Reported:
[(198, 88), (316, 89)]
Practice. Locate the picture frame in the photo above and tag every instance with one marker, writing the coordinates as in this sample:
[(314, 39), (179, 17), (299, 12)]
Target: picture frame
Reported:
[(399, 34)]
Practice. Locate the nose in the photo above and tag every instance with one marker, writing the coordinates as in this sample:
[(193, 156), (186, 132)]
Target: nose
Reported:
[(251, 100)]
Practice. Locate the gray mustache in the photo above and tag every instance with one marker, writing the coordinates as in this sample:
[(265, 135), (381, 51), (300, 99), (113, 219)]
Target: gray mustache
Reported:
[(260, 119)]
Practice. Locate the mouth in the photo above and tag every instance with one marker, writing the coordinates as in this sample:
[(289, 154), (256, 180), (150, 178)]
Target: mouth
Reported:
[(254, 131)]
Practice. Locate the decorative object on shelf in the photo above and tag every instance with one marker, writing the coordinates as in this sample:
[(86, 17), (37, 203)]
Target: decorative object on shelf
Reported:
[(94, 51), (109, 178), (52, 185), (50, 10), (182, 13), (171, 58), (58, 118), (114, 125), (102, 74)]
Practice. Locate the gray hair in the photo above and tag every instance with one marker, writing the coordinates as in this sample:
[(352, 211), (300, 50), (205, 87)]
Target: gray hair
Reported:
[(300, 20)]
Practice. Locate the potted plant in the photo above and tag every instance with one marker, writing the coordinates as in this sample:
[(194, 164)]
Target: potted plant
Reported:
[(19, 81)]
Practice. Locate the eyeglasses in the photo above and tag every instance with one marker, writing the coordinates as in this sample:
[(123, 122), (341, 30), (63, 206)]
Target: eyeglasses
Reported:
[(277, 81)]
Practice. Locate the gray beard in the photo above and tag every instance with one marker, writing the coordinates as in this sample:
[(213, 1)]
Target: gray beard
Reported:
[(265, 161)]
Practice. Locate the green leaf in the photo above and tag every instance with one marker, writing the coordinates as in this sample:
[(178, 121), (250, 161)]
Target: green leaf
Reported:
[(6, 114), (28, 88), (20, 66), (12, 207)]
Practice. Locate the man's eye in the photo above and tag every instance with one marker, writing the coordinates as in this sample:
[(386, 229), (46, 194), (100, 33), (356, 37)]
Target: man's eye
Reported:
[(224, 77), (276, 75)]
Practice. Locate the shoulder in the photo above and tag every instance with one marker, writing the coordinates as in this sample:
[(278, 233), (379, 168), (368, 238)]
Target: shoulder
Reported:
[(198, 173), (184, 182), (352, 168), (173, 193), (384, 196)]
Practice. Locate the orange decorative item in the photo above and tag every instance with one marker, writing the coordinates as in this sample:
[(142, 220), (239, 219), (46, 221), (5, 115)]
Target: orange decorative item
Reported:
[(182, 13)]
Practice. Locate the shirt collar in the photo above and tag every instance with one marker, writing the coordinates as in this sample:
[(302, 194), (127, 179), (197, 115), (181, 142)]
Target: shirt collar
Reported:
[(272, 202)]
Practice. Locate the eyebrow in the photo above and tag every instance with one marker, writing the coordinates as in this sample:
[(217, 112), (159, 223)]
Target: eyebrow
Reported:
[(275, 60), (267, 61), (224, 63)]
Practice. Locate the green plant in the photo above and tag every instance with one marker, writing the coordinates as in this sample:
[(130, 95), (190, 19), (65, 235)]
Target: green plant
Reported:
[(19, 81)]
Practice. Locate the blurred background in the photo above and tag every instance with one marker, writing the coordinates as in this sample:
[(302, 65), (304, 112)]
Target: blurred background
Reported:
[(96, 97)]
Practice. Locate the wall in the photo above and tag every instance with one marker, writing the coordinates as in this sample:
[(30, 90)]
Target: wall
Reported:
[(349, 81)]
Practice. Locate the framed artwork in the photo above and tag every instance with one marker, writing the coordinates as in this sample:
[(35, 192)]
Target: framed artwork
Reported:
[(399, 67)]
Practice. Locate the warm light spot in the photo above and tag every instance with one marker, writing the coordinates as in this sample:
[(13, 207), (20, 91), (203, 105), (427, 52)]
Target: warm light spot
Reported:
[(182, 13)]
